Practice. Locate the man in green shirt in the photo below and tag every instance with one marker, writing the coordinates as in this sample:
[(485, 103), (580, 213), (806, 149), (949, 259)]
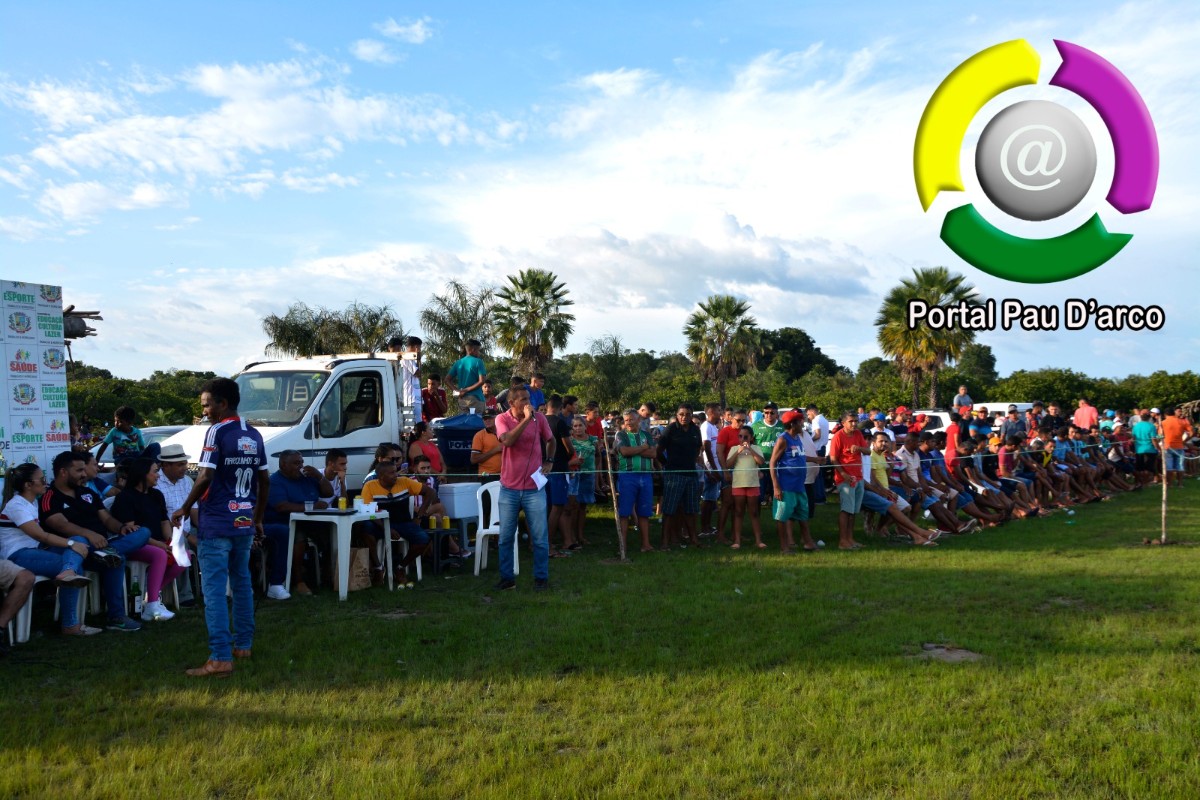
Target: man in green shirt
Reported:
[(766, 431), (466, 376)]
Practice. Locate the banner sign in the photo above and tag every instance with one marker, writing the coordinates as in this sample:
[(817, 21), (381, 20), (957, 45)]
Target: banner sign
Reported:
[(33, 411)]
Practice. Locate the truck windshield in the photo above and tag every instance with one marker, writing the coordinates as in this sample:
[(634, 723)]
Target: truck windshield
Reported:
[(276, 399)]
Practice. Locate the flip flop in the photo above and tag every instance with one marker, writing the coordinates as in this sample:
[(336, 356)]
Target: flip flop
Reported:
[(761, 546), (735, 547)]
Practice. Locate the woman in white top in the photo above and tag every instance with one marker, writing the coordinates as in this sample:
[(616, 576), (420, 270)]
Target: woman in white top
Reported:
[(746, 460), (26, 544)]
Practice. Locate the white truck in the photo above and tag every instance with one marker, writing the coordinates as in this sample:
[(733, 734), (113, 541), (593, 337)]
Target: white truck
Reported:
[(312, 405)]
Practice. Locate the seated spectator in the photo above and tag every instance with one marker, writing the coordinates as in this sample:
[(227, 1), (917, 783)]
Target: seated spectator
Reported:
[(336, 465), (292, 485), (70, 509), (175, 485), (421, 444), (387, 452), (879, 425), (29, 550), (392, 492), (16, 583), (140, 502), (423, 472), (486, 449)]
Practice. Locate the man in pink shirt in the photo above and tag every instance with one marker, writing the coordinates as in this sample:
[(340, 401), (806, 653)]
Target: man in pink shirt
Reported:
[(1086, 415), (522, 432)]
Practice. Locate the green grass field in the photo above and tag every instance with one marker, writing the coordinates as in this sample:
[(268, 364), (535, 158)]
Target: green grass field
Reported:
[(685, 674)]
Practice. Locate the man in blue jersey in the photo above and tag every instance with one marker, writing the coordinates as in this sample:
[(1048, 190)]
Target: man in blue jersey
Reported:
[(233, 478)]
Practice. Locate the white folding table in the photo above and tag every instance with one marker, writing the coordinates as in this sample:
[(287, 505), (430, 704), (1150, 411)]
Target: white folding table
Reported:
[(342, 522)]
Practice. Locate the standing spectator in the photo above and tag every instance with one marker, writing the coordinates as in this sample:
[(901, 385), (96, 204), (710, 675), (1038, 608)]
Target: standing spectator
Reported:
[(745, 459), (1013, 425), (766, 431), (712, 480), (1174, 431), (1086, 415), (537, 395), (680, 451), (962, 401), (635, 453), (1053, 419), (846, 449), (820, 438), (502, 398), (411, 396), (486, 449), (433, 399), (175, 486), (70, 509), (728, 438), (466, 378), (522, 433), (646, 414), (556, 487), (581, 480), (489, 396), (231, 488), (788, 469)]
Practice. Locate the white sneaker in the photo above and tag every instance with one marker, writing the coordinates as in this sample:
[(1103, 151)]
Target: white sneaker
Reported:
[(277, 592), (156, 611)]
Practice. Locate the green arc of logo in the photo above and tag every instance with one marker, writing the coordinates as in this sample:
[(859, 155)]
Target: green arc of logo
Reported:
[(1014, 258)]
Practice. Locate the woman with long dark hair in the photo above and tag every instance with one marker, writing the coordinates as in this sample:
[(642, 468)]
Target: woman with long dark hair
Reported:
[(421, 444), (30, 547), (141, 503)]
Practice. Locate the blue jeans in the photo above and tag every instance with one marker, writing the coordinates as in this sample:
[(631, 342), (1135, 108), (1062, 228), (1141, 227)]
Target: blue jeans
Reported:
[(50, 561), (533, 502), (226, 559), (112, 581)]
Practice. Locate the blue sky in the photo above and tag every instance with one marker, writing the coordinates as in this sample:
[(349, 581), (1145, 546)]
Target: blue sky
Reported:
[(187, 172)]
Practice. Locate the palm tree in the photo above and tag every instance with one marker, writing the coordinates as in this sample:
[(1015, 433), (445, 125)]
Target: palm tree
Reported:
[(723, 339), (923, 351), (449, 319), (366, 329), (529, 321), (303, 331)]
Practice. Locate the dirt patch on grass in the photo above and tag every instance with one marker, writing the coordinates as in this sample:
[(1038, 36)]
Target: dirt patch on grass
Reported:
[(946, 653), (400, 613)]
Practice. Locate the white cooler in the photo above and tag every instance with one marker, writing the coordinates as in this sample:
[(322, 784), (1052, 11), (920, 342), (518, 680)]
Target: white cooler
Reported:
[(459, 499)]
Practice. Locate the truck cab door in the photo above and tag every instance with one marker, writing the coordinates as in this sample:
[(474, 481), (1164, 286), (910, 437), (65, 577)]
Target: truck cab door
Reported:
[(352, 417)]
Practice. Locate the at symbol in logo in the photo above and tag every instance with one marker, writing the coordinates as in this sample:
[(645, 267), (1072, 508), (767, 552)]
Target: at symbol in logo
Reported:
[(1017, 145), (1045, 150)]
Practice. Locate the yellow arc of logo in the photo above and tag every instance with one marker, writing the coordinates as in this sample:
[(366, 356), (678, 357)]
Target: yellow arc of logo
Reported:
[(957, 100)]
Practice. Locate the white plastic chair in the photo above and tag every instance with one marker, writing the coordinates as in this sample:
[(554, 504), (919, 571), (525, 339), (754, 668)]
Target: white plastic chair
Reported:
[(489, 525), (18, 626), (138, 571)]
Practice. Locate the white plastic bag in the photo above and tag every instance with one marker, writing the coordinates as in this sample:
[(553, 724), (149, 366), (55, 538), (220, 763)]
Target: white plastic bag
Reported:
[(179, 548)]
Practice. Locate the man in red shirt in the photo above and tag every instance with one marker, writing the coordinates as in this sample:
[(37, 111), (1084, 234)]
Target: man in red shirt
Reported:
[(846, 449), (433, 399)]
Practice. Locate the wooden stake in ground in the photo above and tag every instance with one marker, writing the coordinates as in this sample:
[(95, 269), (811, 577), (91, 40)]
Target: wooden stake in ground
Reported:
[(612, 492), (1164, 500)]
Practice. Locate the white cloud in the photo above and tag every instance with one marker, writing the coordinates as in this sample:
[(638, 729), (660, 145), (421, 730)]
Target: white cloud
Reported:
[(373, 51), (316, 183), (59, 105), (23, 229), (86, 199), (417, 32)]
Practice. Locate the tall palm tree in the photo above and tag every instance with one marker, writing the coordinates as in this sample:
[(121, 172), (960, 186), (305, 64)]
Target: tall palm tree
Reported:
[(366, 329), (723, 339), (304, 331), (529, 320), (458, 314), (923, 351)]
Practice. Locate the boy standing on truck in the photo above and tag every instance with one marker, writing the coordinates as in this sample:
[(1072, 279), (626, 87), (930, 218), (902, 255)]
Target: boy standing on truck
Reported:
[(408, 378)]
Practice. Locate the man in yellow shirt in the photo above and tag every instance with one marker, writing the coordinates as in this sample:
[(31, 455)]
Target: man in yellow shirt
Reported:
[(392, 492)]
